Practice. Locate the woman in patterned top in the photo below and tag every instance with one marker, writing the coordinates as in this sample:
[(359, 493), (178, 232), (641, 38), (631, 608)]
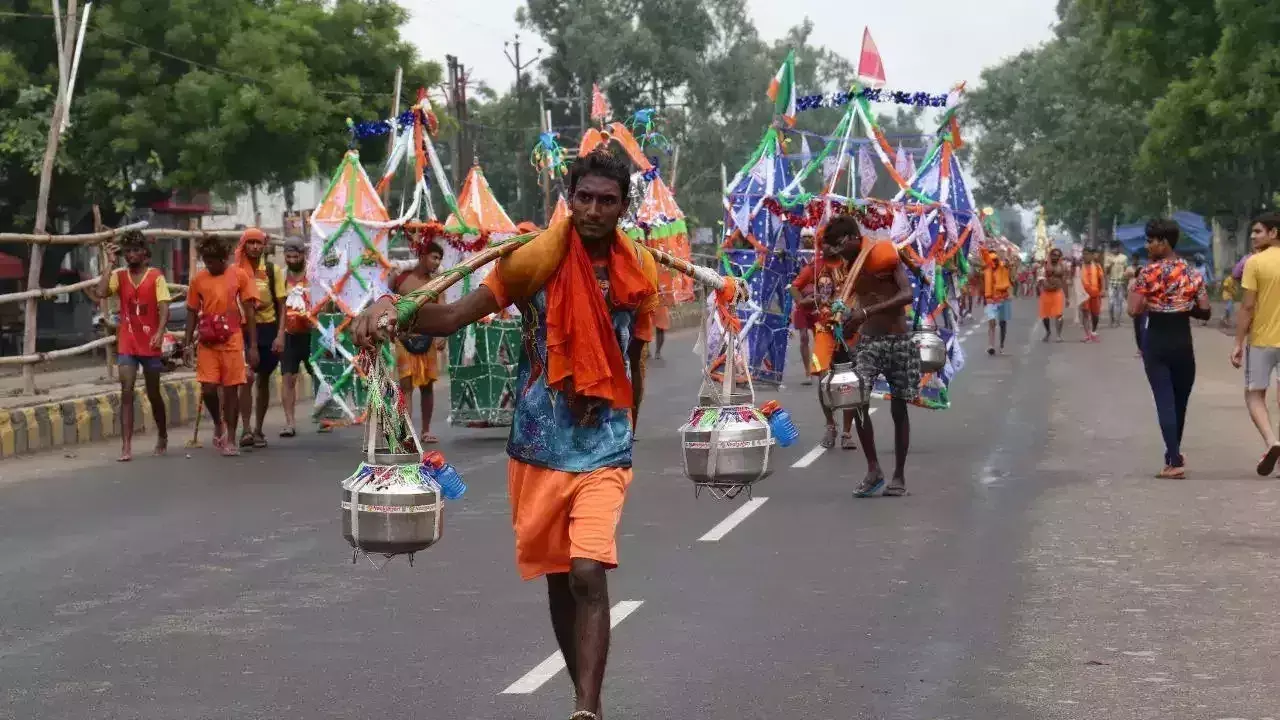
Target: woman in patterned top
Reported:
[(1170, 293)]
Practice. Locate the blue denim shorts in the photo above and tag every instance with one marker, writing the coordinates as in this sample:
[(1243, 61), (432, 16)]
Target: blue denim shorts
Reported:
[(148, 364)]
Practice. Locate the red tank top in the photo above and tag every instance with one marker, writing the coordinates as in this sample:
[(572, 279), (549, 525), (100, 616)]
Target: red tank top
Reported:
[(139, 314)]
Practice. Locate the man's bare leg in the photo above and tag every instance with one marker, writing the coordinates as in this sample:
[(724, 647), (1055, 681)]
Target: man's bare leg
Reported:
[(901, 444), (231, 410), (1058, 325), (152, 380), (263, 381), (828, 435), (1256, 402), (867, 436), (289, 397), (590, 589), (244, 400), (991, 337), (659, 340), (564, 614), (128, 378), (805, 357), (428, 405)]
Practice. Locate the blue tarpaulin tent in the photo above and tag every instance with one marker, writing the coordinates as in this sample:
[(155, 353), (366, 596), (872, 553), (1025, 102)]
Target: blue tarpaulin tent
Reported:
[(1196, 237)]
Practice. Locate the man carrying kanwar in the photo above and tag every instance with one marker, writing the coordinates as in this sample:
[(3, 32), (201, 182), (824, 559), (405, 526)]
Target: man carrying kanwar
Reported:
[(587, 296), (885, 348), (814, 290)]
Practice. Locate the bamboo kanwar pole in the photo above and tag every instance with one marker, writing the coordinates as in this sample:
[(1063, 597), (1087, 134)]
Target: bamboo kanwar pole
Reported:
[(36, 262), (432, 291)]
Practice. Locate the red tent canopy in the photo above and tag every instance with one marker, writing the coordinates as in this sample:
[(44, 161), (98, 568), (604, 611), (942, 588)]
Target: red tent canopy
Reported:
[(11, 268)]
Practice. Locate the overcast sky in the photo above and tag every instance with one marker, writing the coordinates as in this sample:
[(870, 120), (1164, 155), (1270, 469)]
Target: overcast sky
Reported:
[(926, 45)]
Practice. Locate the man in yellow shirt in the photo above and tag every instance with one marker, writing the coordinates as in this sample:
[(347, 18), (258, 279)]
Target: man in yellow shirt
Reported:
[(1259, 326), (270, 333)]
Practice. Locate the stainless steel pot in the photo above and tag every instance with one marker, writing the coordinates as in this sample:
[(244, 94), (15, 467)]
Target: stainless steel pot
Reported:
[(933, 350), (726, 446), (393, 520), (840, 388)]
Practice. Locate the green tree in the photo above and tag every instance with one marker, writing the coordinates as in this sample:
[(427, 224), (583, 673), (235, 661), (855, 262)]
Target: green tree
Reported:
[(216, 94)]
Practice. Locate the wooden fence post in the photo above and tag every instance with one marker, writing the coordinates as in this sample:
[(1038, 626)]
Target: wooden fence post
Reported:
[(104, 303), (36, 262)]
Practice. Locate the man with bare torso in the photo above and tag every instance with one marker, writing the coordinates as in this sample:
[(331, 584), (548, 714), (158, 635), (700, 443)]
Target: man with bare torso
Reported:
[(885, 348), (1055, 289)]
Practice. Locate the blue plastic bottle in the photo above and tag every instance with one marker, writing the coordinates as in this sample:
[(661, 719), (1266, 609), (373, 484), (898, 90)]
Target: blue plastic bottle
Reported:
[(450, 480), (783, 428)]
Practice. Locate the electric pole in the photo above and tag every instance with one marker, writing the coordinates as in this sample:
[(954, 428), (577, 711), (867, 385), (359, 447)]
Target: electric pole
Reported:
[(519, 67), (458, 102)]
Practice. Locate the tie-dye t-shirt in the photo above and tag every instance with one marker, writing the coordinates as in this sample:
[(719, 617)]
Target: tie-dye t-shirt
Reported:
[(546, 432)]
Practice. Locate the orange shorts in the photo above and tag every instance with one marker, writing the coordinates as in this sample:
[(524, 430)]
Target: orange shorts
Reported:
[(560, 515), (1052, 304), (662, 317), (1093, 305), (220, 367), (825, 349)]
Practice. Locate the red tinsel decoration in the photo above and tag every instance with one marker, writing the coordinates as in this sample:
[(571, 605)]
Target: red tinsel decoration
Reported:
[(422, 234), (871, 218)]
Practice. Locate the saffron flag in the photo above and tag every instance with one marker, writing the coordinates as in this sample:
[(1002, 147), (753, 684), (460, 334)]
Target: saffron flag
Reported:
[(870, 66), (600, 110), (782, 91)]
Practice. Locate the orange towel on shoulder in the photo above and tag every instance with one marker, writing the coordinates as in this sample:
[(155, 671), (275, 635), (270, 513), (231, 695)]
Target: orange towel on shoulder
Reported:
[(583, 356), (882, 258)]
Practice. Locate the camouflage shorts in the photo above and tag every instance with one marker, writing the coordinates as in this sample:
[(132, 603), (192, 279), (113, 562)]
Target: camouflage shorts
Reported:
[(893, 357)]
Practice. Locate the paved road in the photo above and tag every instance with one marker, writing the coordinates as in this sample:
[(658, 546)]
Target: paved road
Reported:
[(222, 588)]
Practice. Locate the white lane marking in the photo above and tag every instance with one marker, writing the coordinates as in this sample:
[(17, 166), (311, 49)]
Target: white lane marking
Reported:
[(808, 458), (731, 522), (550, 667)]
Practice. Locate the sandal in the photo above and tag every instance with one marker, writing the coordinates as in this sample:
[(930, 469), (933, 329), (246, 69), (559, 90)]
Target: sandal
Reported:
[(288, 432), (259, 440), (897, 487), (429, 439), (246, 440), (584, 715), (829, 438), (1172, 473), (846, 442), (870, 485), (1267, 464)]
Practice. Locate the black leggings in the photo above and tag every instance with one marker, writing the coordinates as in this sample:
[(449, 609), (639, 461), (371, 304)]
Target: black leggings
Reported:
[(1172, 374), (1139, 325)]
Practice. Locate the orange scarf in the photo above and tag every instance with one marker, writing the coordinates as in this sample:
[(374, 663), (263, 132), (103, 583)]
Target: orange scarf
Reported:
[(583, 356)]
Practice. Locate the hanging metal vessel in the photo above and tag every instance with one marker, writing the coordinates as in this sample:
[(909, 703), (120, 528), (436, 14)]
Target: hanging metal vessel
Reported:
[(727, 447), (395, 519), (840, 388), (933, 349)]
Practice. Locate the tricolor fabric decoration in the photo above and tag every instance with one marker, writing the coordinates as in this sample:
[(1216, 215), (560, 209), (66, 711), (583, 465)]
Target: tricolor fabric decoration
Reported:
[(347, 270), (761, 250), (782, 91), (483, 356)]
